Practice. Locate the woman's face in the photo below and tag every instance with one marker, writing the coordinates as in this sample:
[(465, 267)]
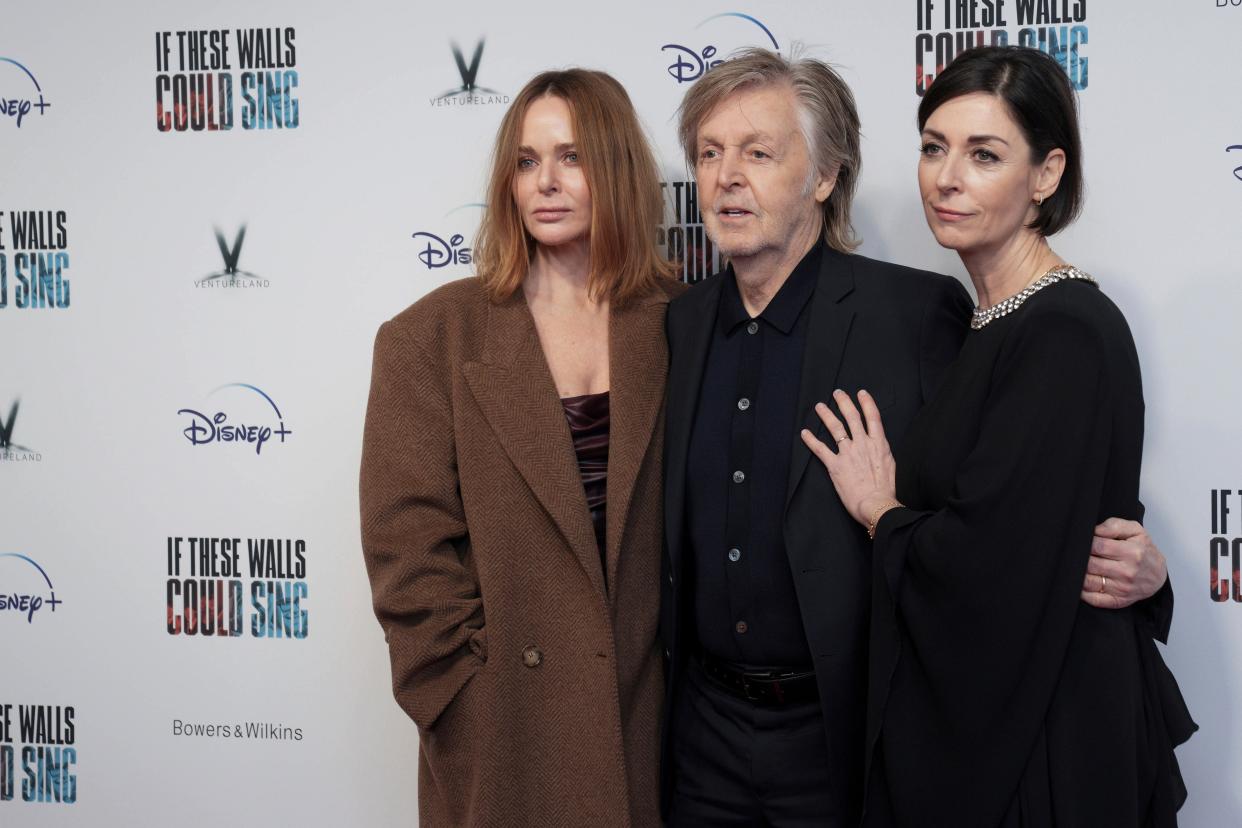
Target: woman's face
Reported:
[(549, 184), (976, 177)]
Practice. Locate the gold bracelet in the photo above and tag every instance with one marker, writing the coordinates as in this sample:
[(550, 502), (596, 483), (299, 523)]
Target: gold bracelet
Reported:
[(879, 513)]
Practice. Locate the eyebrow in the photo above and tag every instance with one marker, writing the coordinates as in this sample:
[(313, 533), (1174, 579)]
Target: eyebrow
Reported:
[(558, 148), (973, 139), (751, 138)]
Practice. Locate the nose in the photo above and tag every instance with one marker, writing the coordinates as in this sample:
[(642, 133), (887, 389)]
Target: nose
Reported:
[(729, 170), (548, 179), (948, 176)]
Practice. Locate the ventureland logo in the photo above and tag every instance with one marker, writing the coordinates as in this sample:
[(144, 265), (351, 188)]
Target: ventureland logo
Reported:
[(734, 29), (10, 450), (231, 275), (253, 424), (469, 93), (25, 587)]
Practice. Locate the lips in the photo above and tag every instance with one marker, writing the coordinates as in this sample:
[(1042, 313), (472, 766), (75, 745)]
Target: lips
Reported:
[(733, 213), (945, 214), (551, 213)]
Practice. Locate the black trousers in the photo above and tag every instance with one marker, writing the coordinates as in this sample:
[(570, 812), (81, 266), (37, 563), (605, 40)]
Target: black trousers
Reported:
[(741, 764)]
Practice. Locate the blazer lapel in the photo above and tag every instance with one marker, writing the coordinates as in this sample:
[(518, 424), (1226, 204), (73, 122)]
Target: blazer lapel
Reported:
[(638, 365), (828, 329), (515, 391), (685, 375)]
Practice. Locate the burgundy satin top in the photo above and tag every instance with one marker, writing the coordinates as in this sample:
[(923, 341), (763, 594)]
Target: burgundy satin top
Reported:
[(588, 423)]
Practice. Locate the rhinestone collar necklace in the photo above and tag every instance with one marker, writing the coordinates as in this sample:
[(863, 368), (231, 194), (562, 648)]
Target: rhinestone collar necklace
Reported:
[(983, 316)]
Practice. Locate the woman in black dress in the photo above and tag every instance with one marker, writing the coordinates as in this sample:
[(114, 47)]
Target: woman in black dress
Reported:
[(996, 696)]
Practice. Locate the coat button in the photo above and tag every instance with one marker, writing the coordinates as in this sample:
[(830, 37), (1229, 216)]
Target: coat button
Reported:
[(532, 656), (752, 328), (741, 627)]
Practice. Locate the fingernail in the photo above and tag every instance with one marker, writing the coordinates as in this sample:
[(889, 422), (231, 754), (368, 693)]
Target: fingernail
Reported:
[(862, 391)]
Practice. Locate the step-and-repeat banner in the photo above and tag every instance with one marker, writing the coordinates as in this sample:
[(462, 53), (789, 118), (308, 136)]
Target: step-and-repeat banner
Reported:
[(206, 212)]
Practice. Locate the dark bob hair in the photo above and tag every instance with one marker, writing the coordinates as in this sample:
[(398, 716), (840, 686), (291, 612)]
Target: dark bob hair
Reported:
[(1041, 102)]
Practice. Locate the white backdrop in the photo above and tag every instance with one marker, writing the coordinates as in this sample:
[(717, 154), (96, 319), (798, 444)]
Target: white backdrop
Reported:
[(100, 474)]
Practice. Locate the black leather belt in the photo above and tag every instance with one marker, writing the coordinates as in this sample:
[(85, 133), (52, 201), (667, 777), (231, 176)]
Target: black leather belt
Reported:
[(761, 687)]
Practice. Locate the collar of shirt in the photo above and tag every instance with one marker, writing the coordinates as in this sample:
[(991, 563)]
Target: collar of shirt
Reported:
[(786, 306)]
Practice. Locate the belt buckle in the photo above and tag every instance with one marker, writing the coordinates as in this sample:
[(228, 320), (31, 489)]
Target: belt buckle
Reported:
[(748, 689)]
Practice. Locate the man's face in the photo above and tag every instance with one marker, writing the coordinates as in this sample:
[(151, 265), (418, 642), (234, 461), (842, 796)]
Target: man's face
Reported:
[(758, 192)]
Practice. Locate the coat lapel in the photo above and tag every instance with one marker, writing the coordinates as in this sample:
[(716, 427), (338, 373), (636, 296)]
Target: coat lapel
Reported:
[(638, 365), (515, 391), (828, 329), (685, 375)]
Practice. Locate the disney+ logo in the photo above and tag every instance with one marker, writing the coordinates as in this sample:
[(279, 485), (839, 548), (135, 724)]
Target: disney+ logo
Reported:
[(690, 64), (435, 252), (204, 430), (689, 70), (19, 106), (27, 603)]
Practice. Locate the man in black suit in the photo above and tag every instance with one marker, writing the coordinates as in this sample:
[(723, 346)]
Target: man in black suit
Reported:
[(766, 577)]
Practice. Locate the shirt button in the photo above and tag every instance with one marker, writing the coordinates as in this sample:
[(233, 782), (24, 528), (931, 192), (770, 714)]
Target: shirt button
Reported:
[(753, 327), (739, 476), (743, 404), (532, 656), (741, 627), (735, 554)]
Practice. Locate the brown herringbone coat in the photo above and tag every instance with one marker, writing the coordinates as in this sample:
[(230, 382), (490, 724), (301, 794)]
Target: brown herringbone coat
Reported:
[(534, 681)]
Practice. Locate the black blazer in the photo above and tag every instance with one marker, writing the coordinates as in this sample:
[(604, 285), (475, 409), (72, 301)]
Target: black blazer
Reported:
[(887, 328)]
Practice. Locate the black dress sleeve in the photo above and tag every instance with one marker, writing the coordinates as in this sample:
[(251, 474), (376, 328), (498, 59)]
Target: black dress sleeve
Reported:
[(974, 603)]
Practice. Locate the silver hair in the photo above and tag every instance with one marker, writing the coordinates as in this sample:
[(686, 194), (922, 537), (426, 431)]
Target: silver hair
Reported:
[(827, 115)]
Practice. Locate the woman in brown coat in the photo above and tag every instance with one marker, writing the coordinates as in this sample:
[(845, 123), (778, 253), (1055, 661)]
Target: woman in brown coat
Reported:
[(510, 484)]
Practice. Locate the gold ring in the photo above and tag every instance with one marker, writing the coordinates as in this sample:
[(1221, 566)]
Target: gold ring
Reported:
[(841, 440), (1103, 583)]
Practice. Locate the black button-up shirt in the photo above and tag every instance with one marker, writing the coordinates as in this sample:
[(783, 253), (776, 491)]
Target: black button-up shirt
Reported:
[(745, 606)]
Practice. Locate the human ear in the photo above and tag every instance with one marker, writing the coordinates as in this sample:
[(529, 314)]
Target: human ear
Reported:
[(825, 185), (1048, 176)]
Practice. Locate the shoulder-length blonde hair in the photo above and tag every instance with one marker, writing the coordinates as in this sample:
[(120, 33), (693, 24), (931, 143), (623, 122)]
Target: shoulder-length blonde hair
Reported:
[(621, 173)]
